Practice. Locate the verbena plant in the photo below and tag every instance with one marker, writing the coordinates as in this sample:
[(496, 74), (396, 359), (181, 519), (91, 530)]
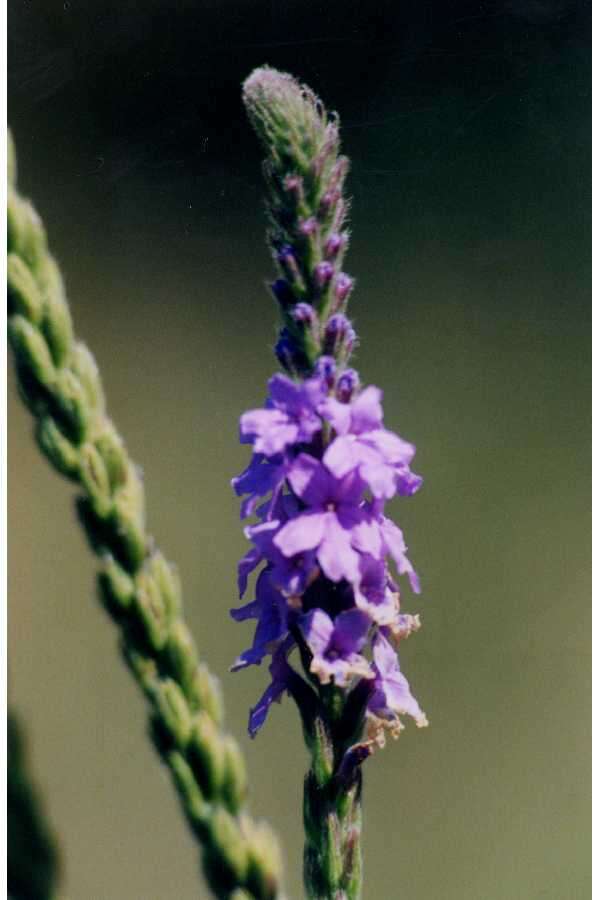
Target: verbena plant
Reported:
[(323, 466)]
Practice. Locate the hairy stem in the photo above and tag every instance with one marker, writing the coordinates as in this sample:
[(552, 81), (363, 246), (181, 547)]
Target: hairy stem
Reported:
[(60, 383), (332, 822)]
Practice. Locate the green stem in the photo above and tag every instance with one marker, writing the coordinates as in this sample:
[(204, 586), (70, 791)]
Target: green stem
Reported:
[(60, 383), (332, 819)]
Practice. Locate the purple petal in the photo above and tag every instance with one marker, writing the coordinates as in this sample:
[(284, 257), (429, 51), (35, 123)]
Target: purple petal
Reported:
[(340, 457), (366, 537), (367, 413), (335, 554), (310, 480), (284, 392), (317, 628), (381, 478), (337, 413), (259, 713), (246, 565), (350, 631), (392, 447), (248, 611), (303, 533)]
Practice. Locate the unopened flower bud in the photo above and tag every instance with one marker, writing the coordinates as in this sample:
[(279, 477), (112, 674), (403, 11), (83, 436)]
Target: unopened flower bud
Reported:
[(339, 335), (288, 353), (323, 273), (284, 351), (342, 287), (308, 226), (293, 184), (348, 384), (304, 314), (334, 243), (283, 293), (289, 265), (329, 201), (325, 369)]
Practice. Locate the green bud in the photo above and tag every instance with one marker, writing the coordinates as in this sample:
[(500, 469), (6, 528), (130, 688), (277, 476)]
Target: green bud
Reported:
[(206, 693), (152, 609), (235, 782), (112, 450), (168, 582), (32, 351), (117, 583), (174, 712), (26, 235), (59, 449), (143, 667), (84, 366), (264, 865), (229, 840), (72, 401), (129, 518), (183, 657), (95, 481), (24, 296), (57, 324), (196, 807), (206, 754)]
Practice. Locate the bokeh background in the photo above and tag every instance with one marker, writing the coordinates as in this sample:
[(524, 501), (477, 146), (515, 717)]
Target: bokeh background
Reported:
[(468, 129)]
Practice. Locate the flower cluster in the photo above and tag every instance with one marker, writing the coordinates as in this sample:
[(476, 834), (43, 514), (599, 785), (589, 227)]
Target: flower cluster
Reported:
[(322, 468), (323, 464)]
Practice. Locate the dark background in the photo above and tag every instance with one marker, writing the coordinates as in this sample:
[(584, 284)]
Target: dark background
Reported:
[(468, 129)]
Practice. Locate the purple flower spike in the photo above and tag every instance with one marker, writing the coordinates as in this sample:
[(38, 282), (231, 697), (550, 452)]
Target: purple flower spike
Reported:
[(323, 558), (336, 646), (330, 525)]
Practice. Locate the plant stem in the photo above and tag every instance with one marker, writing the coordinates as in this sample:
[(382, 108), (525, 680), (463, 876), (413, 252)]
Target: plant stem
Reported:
[(332, 821), (61, 385)]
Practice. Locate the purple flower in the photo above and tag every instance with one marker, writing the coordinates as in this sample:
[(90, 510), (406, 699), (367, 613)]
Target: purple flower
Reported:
[(271, 611), (290, 418), (336, 646), (391, 697), (257, 480), (374, 593), (393, 541), (333, 524), (362, 443), (291, 575), (280, 675)]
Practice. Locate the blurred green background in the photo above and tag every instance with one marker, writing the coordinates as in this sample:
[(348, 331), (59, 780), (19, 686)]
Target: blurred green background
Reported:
[(468, 129)]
